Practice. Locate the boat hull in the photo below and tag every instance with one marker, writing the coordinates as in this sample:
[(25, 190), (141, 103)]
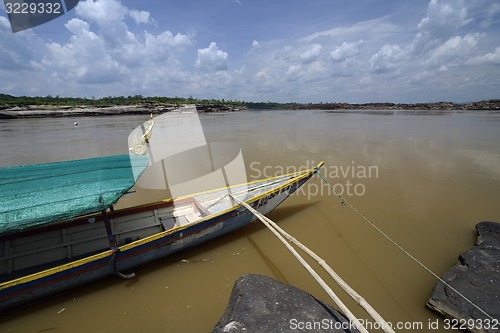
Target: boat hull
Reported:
[(83, 271)]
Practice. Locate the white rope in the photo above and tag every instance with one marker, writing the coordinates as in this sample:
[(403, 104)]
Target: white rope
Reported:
[(139, 144), (386, 327), (279, 233), (345, 202)]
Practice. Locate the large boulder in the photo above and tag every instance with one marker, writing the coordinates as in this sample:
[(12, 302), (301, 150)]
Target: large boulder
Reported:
[(261, 304), (477, 277)]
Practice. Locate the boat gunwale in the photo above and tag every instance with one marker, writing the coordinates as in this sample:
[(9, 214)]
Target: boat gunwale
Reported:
[(161, 234), (152, 238), (83, 219)]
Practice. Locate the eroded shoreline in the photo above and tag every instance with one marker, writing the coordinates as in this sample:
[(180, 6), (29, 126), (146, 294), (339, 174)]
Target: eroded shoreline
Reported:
[(49, 111), (46, 111)]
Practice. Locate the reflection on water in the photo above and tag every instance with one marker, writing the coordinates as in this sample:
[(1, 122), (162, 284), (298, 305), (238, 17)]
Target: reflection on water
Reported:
[(436, 178)]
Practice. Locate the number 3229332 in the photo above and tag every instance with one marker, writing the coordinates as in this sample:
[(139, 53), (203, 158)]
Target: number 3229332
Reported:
[(463, 324), (33, 8)]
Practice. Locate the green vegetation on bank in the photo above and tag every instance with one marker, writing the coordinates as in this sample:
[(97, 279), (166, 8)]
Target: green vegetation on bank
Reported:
[(22, 101), (8, 101)]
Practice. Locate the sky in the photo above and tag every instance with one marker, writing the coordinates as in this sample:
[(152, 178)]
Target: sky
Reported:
[(400, 51)]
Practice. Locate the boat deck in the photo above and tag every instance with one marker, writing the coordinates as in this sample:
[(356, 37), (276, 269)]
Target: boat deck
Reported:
[(56, 244)]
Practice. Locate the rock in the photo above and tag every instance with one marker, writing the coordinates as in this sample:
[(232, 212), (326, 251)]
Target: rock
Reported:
[(49, 111), (492, 104), (216, 108), (7, 115), (261, 304), (477, 276)]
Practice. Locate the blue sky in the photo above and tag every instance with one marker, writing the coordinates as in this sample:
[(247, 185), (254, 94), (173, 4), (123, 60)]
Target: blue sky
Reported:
[(255, 50)]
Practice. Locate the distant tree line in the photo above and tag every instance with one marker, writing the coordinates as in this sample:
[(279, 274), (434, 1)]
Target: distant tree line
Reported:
[(107, 101), (7, 101)]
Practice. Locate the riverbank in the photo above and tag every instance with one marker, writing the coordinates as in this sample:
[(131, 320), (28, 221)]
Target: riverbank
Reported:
[(492, 104), (12, 107), (476, 277), (48, 111)]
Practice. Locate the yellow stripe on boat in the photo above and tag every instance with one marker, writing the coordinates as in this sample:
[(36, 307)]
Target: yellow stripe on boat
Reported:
[(55, 270)]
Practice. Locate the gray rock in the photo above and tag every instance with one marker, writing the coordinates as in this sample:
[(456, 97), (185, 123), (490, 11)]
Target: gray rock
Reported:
[(261, 304), (476, 276), (49, 111)]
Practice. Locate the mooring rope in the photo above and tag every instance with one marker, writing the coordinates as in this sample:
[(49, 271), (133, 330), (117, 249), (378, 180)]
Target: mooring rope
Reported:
[(345, 202), (271, 226), (347, 288)]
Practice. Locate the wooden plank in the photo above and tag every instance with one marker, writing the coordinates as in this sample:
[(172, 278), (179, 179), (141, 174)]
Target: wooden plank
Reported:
[(65, 239), (52, 247), (167, 222), (141, 221), (181, 220), (198, 207)]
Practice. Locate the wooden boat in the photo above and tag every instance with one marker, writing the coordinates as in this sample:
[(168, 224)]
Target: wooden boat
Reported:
[(51, 255)]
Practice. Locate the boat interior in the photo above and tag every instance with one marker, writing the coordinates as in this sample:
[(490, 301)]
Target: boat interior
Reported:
[(40, 248)]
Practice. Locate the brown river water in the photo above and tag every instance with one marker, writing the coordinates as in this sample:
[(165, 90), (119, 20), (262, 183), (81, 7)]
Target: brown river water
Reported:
[(425, 178)]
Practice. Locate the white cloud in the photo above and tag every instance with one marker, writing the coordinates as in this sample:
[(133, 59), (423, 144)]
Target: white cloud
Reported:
[(141, 17), (109, 18), (212, 59), (17, 51), (387, 59), (4, 22), (350, 58), (379, 28), (310, 53), (104, 51), (490, 58), (102, 12), (491, 15), (443, 68), (443, 20), (455, 50), (165, 42), (444, 17), (79, 27), (346, 50), (85, 59), (293, 70)]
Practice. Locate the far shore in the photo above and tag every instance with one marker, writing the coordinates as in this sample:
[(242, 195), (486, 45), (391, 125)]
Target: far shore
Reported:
[(50, 111)]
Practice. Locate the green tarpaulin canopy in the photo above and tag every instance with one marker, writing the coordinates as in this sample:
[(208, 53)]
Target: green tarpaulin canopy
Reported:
[(37, 194)]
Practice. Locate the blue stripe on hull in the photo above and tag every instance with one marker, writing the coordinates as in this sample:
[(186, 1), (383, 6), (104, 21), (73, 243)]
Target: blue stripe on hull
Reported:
[(170, 243), (54, 283)]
